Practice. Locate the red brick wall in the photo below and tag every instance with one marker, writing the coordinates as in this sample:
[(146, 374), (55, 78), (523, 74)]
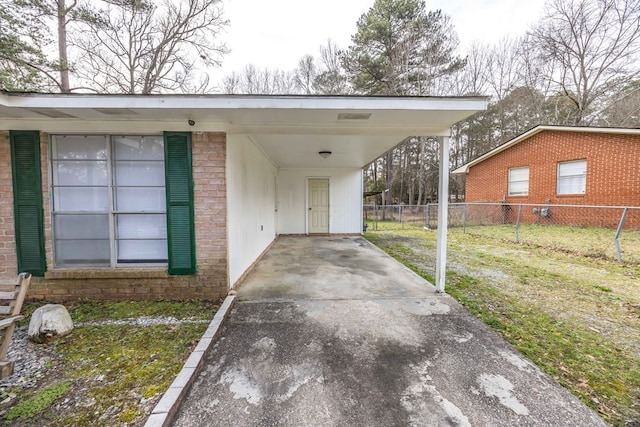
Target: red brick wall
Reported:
[(8, 261), (613, 174), (210, 192), (211, 280)]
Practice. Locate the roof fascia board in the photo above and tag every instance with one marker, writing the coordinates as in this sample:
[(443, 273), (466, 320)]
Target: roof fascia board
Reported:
[(582, 129), (109, 126), (586, 129), (471, 104)]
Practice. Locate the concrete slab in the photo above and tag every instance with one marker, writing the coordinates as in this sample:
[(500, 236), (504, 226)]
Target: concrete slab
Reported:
[(332, 332)]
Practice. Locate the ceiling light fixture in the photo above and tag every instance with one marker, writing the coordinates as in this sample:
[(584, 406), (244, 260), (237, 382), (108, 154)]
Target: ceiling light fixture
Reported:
[(324, 154)]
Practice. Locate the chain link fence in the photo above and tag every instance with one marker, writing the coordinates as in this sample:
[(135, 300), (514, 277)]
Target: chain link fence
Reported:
[(607, 232)]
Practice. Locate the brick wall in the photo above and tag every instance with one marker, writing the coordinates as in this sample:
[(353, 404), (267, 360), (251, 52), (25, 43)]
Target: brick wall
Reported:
[(8, 261), (210, 192), (613, 171), (210, 282)]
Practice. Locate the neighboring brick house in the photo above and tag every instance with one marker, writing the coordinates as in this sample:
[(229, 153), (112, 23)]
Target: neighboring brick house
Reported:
[(177, 196), (553, 165)]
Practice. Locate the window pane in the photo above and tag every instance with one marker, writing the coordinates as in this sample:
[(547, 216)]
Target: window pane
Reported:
[(572, 177), (79, 147), (82, 252), (571, 185), (67, 172), (519, 181), (140, 199), (519, 174), (81, 226), (81, 199), (139, 173), (519, 188), (144, 226), (572, 168), (142, 251), (86, 172), (139, 147)]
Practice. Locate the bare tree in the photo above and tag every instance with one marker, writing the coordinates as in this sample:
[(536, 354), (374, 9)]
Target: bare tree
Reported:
[(594, 43), (470, 80), (258, 81), (305, 74), (331, 77), (134, 46), (623, 107)]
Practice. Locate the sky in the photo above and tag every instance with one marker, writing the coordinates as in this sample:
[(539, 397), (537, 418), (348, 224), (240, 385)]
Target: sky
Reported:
[(277, 33)]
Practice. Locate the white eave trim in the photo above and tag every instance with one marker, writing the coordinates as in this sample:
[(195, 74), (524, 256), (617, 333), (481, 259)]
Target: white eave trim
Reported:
[(620, 131), (107, 126), (239, 102)]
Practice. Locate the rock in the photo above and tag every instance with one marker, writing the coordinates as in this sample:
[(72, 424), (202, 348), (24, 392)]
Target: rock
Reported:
[(49, 321)]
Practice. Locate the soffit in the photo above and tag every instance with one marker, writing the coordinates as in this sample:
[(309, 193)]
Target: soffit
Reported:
[(290, 130)]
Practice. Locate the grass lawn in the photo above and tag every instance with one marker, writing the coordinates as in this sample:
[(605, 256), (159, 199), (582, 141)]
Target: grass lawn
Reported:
[(574, 315), (105, 373), (590, 242)]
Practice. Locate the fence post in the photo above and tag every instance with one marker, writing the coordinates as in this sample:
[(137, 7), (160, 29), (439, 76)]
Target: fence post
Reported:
[(375, 217), (428, 215), (518, 224), (464, 218), (618, 231), (401, 209)]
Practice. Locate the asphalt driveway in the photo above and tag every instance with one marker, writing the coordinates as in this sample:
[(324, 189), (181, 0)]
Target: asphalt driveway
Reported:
[(330, 331)]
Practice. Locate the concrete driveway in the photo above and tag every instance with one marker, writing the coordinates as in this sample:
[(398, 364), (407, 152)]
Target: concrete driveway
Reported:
[(330, 331)]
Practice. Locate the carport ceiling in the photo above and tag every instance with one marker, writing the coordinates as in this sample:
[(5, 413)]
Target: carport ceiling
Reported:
[(291, 130)]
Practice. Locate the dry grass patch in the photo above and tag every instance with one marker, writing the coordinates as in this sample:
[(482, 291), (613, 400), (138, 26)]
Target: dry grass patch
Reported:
[(574, 316)]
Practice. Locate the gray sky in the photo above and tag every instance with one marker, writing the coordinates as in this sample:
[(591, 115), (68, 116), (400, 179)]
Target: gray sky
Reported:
[(277, 33)]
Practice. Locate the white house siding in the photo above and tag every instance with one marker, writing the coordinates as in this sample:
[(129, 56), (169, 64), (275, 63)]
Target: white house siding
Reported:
[(251, 203), (345, 200)]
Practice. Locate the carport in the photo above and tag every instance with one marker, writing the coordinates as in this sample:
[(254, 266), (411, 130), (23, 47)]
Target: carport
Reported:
[(323, 137), (271, 158)]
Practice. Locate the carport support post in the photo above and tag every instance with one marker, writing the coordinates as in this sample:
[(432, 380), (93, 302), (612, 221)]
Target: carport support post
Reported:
[(443, 210)]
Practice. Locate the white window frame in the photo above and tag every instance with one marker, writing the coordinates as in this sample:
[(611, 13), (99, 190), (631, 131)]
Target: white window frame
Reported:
[(563, 177), (112, 211), (512, 181)]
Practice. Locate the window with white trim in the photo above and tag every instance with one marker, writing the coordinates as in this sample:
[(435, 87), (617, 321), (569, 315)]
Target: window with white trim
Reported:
[(108, 200), (519, 181), (572, 177)]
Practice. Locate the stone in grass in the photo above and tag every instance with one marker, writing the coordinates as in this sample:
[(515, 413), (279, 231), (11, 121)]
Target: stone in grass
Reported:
[(49, 321)]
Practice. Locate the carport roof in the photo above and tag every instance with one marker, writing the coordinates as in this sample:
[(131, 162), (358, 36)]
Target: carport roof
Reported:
[(290, 129)]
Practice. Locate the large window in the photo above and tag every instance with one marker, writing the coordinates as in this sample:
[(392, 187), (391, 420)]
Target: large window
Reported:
[(519, 181), (572, 177), (108, 200)]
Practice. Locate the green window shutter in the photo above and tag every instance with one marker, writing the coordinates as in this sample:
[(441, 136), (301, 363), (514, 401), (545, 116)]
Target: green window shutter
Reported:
[(27, 201), (180, 213)]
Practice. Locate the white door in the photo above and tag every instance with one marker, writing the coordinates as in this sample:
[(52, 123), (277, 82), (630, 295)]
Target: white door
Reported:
[(319, 206)]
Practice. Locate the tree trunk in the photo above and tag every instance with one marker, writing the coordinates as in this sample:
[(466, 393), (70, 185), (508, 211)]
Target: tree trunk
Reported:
[(62, 47), (390, 177)]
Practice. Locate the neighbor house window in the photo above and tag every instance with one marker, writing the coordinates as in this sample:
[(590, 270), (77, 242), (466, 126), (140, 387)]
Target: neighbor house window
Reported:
[(519, 181), (108, 200), (572, 177)]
